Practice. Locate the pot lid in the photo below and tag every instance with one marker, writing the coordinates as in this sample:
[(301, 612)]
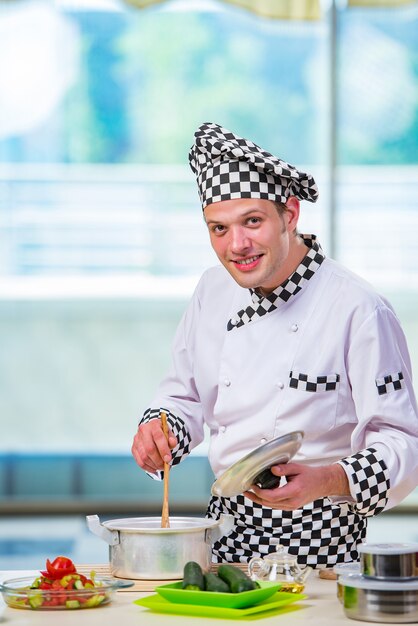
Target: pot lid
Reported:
[(153, 524), (388, 548), (241, 475)]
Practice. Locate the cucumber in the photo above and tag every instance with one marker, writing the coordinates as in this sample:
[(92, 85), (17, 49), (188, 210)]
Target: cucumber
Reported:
[(72, 604), (193, 577), (237, 580), (95, 600), (35, 601), (214, 583)]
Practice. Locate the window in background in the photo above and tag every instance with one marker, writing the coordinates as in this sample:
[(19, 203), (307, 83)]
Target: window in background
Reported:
[(378, 144), (102, 237), (111, 185), (377, 156), (100, 214)]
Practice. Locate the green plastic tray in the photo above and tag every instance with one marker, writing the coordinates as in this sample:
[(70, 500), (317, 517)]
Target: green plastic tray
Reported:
[(280, 601), (174, 593)]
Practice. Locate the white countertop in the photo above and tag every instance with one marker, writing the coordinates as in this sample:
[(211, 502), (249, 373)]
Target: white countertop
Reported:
[(321, 608)]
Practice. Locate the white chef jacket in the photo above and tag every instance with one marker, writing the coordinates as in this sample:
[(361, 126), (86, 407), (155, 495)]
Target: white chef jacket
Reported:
[(330, 359)]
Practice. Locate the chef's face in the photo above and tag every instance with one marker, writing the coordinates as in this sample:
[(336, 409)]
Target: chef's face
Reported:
[(257, 245)]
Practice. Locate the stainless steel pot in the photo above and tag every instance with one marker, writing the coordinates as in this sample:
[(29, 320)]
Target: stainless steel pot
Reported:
[(140, 549), (395, 561), (380, 601)]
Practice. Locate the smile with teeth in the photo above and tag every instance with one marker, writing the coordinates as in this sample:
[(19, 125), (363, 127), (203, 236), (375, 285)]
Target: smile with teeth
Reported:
[(248, 263)]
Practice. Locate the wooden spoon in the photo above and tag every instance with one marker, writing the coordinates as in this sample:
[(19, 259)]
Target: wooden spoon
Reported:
[(165, 520)]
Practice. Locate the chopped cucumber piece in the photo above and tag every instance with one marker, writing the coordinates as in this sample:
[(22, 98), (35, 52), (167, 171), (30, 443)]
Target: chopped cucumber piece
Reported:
[(35, 601), (94, 601), (72, 604)]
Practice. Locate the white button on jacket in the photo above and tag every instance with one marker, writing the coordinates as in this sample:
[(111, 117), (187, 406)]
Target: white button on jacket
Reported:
[(278, 380)]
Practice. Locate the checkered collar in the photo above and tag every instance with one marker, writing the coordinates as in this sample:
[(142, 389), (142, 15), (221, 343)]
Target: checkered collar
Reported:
[(290, 287)]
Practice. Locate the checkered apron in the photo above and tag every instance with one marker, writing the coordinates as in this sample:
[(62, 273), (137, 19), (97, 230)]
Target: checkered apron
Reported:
[(320, 534)]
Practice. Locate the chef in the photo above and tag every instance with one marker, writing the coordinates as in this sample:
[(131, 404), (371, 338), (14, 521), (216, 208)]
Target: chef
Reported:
[(279, 338)]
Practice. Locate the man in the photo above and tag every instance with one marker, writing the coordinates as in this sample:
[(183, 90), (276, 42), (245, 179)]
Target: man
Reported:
[(283, 340)]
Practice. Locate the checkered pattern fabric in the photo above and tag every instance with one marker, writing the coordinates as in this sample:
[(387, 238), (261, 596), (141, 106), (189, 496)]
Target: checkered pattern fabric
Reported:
[(391, 382), (321, 534), (228, 167), (290, 287), (179, 431), (371, 481), (314, 383)]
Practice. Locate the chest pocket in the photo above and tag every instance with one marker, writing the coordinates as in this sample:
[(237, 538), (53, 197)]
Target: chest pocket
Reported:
[(314, 384), (314, 400)]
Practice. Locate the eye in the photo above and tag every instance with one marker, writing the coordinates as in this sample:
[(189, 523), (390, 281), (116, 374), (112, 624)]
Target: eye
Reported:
[(253, 221), (218, 229)]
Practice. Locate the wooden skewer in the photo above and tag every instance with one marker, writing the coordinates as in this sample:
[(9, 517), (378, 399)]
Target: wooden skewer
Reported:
[(165, 519)]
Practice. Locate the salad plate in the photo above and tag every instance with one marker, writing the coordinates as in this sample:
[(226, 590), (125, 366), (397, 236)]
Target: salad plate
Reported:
[(19, 593)]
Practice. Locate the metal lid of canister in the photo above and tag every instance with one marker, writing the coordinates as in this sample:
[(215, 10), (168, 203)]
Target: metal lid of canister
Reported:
[(388, 548), (352, 567), (365, 582)]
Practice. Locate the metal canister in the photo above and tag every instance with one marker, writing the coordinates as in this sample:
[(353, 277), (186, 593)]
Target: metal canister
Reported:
[(389, 561), (373, 600)]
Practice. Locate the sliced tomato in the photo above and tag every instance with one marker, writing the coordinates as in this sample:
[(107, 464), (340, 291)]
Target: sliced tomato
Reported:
[(60, 566), (63, 562), (45, 585), (51, 601)]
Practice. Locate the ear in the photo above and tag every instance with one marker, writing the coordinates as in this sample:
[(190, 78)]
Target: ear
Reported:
[(292, 213)]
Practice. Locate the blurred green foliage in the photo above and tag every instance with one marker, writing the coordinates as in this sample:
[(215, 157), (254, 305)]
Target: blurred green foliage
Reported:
[(146, 79)]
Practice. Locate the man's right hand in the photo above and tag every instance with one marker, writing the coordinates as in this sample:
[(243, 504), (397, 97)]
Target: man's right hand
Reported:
[(151, 448)]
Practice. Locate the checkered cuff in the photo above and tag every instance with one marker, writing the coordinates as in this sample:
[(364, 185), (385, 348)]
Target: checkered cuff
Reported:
[(179, 429), (369, 481)]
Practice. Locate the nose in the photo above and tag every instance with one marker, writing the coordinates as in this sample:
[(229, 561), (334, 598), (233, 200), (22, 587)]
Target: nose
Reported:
[(239, 240)]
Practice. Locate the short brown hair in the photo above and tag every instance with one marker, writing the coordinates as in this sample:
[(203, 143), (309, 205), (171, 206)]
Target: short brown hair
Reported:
[(281, 209)]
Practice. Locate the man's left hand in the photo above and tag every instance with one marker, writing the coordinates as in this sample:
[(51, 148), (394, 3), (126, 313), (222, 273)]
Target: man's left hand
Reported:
[(304, 484)]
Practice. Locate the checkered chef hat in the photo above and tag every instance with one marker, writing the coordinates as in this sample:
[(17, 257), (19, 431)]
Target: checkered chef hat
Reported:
[(229, 167)]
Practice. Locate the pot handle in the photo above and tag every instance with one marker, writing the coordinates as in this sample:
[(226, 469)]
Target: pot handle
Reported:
[(110, 536), (224, 527)]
